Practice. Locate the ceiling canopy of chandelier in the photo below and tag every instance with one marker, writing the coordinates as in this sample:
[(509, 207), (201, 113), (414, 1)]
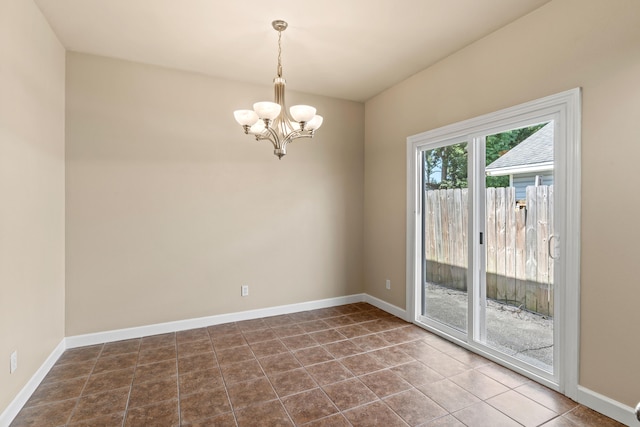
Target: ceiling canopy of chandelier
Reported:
[(272, 121)]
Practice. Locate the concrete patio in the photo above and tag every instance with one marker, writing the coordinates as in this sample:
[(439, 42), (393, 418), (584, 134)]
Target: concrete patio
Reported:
[(524, 335)]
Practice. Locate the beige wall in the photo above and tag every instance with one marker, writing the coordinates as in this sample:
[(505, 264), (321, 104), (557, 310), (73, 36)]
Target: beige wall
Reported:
[(31, 193), (565, 44), (171, 208)]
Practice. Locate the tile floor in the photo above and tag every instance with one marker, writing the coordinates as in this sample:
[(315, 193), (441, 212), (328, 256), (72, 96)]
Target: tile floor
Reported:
[(348, 365)]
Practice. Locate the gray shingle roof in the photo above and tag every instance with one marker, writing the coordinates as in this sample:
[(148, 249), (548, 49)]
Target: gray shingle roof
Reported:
[(538, 148)]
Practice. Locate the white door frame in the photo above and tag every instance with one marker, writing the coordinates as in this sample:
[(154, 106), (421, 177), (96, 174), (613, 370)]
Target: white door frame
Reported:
[(564, 109)]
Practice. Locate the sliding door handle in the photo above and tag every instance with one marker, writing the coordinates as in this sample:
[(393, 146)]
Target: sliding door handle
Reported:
[(551, 253)]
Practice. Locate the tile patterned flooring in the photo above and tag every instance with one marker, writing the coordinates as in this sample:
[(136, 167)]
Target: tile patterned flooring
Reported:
[(340, 366)]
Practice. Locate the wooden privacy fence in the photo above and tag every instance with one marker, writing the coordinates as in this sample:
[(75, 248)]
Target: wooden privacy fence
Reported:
[(519, 270)]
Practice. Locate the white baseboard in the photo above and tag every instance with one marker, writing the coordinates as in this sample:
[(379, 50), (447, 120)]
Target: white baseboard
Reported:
[(389, 308), (607, 406), (201, 322), (21, 398)]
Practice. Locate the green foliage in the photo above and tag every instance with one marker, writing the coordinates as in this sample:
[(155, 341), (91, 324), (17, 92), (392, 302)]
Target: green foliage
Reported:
[(447, 167), (499, 144), (497, 181)]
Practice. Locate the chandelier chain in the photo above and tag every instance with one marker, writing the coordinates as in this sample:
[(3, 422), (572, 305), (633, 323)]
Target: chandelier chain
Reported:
[(279, 53)]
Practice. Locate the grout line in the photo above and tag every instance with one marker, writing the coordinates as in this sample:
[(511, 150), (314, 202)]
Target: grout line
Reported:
[(286, 411), (178, 381), (73, 411), (133, 378), (224, 381)]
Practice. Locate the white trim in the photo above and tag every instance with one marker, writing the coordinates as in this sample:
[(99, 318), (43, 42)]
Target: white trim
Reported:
[(23, 395), (389, 308), (572, 205), (607, 406), (413, 226), (200, 322), (520, 169)]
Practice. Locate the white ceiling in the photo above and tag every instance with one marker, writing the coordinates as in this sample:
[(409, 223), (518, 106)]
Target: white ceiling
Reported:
[(351, 49)]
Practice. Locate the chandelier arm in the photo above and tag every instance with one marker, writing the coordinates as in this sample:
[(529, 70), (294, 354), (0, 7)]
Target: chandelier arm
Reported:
[(273, 137), (269, 138), (296, 135)]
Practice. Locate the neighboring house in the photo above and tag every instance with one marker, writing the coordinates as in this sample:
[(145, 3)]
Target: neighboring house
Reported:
[(528, 163)]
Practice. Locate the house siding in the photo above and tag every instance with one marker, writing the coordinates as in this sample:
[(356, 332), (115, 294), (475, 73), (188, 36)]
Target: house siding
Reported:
[(521, 182)]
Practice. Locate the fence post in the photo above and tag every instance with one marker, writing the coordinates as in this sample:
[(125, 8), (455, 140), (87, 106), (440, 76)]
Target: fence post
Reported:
[(531, 264), (542, 236), (464, 211), (490, 245), (510, 243), (551, 262), (501, 242), (521, 256)]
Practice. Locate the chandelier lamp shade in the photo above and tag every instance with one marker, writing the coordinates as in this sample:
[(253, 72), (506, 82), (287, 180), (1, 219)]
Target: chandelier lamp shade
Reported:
[(271, 121)]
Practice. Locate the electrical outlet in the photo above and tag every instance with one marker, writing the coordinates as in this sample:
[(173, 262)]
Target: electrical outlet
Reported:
[(244, 290), (13, 362), (388, 284)]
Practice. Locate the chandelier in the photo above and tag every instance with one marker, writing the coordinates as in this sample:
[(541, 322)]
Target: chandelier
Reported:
[(272, 121)]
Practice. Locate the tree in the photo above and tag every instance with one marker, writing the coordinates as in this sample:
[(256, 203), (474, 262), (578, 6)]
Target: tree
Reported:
[(447, 167)]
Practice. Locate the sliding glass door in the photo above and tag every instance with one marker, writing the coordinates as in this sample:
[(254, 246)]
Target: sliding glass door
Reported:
[(490, 201), (512, 311), (520, 258), (445, 224)]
